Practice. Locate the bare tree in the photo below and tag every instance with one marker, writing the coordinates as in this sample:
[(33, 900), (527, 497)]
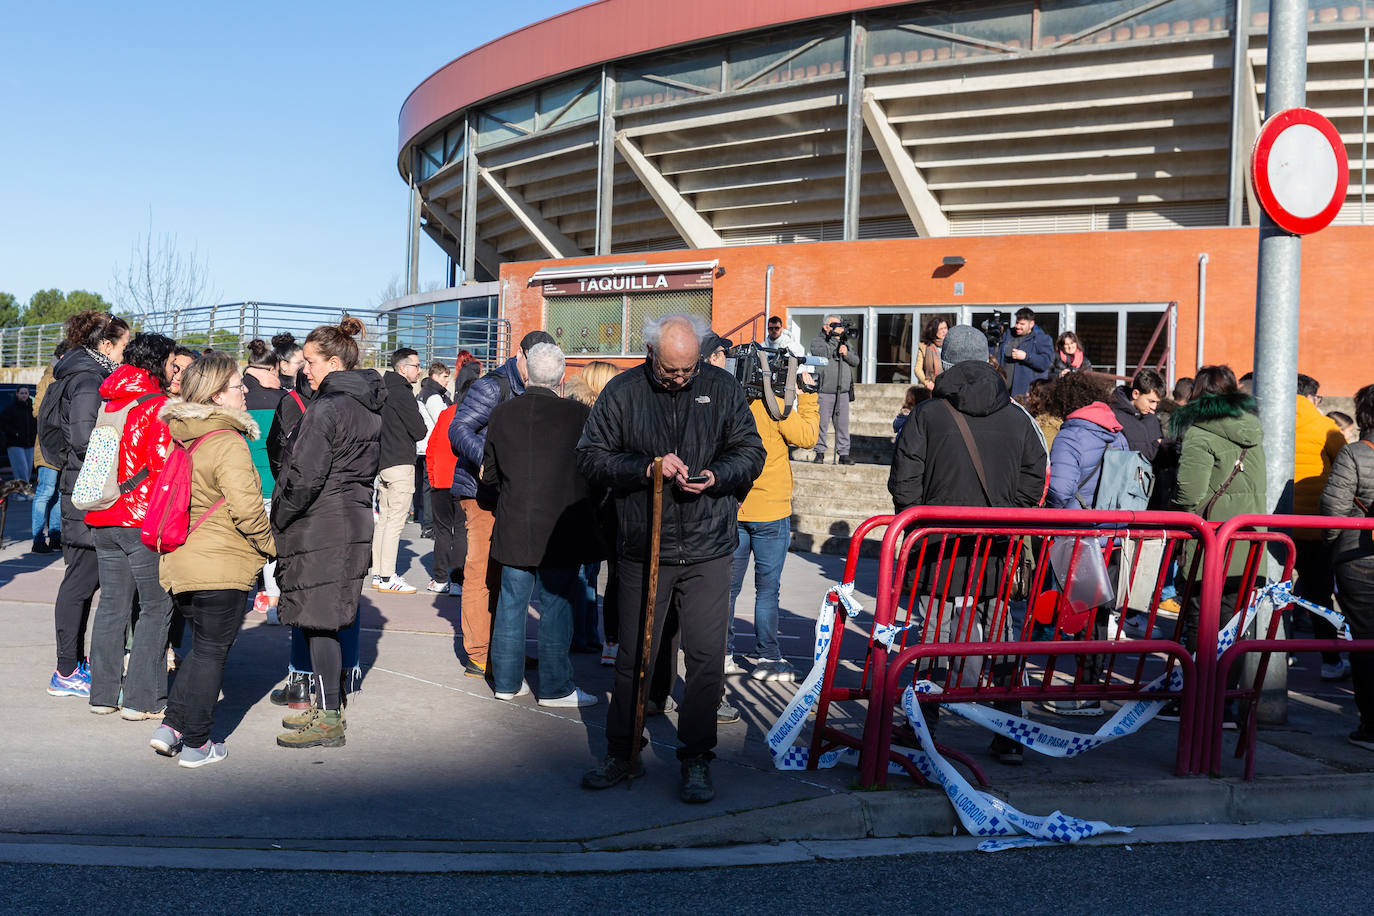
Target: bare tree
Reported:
[(394, 289), (161, 281)]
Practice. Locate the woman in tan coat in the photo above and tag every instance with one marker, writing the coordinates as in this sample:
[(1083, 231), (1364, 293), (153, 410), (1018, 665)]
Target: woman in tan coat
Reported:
[(212, 574)]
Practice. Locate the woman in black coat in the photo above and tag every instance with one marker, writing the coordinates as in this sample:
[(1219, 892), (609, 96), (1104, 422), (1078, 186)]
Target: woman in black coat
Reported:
[(322, 516)]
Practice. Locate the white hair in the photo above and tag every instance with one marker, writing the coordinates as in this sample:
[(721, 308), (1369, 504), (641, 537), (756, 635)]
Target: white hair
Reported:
[(654, 327), (545, 363)]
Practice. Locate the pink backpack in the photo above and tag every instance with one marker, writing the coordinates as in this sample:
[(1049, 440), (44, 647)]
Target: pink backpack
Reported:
[(168, 523)]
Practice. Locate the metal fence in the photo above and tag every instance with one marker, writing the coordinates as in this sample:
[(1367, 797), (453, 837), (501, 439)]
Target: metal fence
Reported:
[(231, 326)]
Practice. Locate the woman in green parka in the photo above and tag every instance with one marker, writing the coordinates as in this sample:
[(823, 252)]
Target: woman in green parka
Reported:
[(1220, 472)]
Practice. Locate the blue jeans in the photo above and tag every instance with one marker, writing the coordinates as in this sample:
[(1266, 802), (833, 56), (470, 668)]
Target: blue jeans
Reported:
[(768, 541), (46, 506), (584, 605), (507, 655), (21, 462)]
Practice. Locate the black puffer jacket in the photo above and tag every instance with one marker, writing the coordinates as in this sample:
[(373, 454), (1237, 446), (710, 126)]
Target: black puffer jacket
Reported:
[(1352, 479), (708, 425), (322, 505), (402, 425), (79, 401), (931, 464), (288, 414)]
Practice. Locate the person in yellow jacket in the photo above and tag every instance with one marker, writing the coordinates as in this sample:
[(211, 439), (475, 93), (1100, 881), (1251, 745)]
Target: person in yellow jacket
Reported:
[(1317, 440), (765, 527)]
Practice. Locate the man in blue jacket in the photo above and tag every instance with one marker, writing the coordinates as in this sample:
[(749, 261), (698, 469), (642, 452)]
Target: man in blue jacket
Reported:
[(468, 436), (1025, 354)]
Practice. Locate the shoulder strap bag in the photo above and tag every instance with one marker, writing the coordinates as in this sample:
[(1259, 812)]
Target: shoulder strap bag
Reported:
[(1240, 466)]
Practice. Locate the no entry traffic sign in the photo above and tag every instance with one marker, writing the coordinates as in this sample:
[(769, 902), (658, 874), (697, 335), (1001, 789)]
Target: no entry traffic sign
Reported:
[(1299, 170)]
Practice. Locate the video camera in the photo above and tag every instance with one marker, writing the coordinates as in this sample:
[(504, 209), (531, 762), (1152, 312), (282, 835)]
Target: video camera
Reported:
[(994, 328), (841, 335), (766, 373)]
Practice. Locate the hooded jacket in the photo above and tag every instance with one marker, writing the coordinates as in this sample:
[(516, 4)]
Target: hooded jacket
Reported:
[(262, 406), (39, 461), (707, 424), (229, 548), (1214, 430), (931, 464), (322, 505), (19, 423), (145, 444), (76, 384), (467, 434), (1076, 456), (402, 425)]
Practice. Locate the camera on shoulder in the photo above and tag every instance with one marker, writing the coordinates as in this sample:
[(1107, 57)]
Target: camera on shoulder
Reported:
[(840, 334), (766, 374)]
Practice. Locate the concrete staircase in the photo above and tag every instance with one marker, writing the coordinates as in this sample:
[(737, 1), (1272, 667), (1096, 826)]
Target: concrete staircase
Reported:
[(829, 500)]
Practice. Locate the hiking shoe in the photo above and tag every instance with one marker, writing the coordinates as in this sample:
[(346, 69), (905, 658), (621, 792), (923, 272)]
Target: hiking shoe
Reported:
[(76, 684), (40, 545), (306, 716), (472, 669), (726, 714), (396, 584), (1006, 751), (696, 788), (134, 715), (732, 667), (1137, 626), (608, 653), (575, 700), (774, 670), (609, 772), (1337, 672), (166, 740), (323, 730), (207, 753), (1073, 707), (653, 707), (1362, 737), (295, 693), (437, 587), (524, 691)]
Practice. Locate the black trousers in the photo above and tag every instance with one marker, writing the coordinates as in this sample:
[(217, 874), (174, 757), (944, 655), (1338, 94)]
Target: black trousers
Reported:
[(72, 610), (1315, 583), (701, 594), (215, 617), (450, 536), (1353, 582), (420, 502)]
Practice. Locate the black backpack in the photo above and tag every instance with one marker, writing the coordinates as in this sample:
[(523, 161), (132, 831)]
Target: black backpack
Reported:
[(52, 434)]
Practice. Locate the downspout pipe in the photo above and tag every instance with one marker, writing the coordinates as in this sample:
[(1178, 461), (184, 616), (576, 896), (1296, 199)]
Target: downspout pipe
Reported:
[(1201, 307)]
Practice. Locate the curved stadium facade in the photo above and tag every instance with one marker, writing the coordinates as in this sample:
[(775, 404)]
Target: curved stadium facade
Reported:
[(1086, 158)]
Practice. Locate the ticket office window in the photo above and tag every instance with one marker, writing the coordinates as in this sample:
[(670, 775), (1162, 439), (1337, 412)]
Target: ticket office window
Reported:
[(613, 325)]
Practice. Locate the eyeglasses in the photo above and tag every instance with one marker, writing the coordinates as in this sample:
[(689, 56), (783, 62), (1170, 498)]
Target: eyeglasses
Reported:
[(239, 387), (666, 374)]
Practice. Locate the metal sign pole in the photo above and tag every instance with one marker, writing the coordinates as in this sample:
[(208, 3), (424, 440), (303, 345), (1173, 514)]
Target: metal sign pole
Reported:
[(1277, 307)]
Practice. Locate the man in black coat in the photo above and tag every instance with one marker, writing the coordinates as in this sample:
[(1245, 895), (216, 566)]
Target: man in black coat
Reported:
[(402, 427), (545, 529), (696, 418), (1135, 407), (933, 466)]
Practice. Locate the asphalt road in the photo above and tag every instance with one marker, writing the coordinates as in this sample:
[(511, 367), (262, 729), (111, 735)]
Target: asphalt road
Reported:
[(1280, 875)]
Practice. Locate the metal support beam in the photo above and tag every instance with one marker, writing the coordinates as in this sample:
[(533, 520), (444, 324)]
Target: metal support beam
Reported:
[(605, 163), (920, 203), (1240, 85), (1250, 133), (469, 234), (854, 131), (549, 236), (413, 249), (441, 238), (688, 223)]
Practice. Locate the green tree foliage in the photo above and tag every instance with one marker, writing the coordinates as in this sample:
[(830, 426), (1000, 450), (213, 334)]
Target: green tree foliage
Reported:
[(50, 306), (9, 310)]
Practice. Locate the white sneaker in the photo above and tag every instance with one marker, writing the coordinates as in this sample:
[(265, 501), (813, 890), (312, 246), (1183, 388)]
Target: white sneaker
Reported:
[(732, 667), (780, 670), (608, 653), (1337, 672), (396, 584), (573, 700), (376, 582), (1135, 628), (439, 588), (524, 691)]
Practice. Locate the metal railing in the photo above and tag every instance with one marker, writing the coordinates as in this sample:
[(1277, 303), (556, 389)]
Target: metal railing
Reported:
[(231, 326)]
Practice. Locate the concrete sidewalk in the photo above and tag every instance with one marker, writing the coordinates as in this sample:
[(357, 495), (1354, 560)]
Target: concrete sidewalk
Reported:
[(435, 763)]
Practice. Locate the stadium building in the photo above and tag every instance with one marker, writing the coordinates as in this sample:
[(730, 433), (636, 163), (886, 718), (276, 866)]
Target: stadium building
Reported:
[(888, 162)]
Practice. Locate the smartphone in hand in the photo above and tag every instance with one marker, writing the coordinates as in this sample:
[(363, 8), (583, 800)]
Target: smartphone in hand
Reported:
[(698, 478)]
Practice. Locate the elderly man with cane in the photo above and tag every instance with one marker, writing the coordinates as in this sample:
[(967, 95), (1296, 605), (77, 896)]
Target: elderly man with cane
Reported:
[(688, 422)]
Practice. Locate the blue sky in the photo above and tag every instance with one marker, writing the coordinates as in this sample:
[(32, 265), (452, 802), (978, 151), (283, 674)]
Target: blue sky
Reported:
[(263, 135)]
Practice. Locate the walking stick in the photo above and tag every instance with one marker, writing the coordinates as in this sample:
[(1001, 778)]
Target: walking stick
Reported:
[(646, 654)]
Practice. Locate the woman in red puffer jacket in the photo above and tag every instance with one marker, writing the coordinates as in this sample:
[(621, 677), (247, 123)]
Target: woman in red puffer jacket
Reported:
[(126, 566)]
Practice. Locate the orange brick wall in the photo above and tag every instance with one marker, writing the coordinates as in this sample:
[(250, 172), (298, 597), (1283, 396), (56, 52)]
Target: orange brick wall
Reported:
[(1131, 266)]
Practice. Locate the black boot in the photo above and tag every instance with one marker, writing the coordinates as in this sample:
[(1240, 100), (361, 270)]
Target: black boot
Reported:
[(55, 541), (295, 693), (40, 545)]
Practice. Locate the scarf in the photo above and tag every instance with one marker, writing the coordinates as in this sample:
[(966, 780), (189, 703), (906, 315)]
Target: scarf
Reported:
[(931, 363), (105, 362), (1073, 362)]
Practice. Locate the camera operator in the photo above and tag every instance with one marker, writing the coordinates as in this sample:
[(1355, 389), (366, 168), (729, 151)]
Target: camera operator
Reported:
[(1025, 353), (836, 385), (765, 525)]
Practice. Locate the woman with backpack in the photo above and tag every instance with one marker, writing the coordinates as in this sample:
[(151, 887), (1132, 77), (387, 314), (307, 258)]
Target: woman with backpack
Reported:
[(95, 346), (212, 573), (264, 393), (137, 390), (322, 518)]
